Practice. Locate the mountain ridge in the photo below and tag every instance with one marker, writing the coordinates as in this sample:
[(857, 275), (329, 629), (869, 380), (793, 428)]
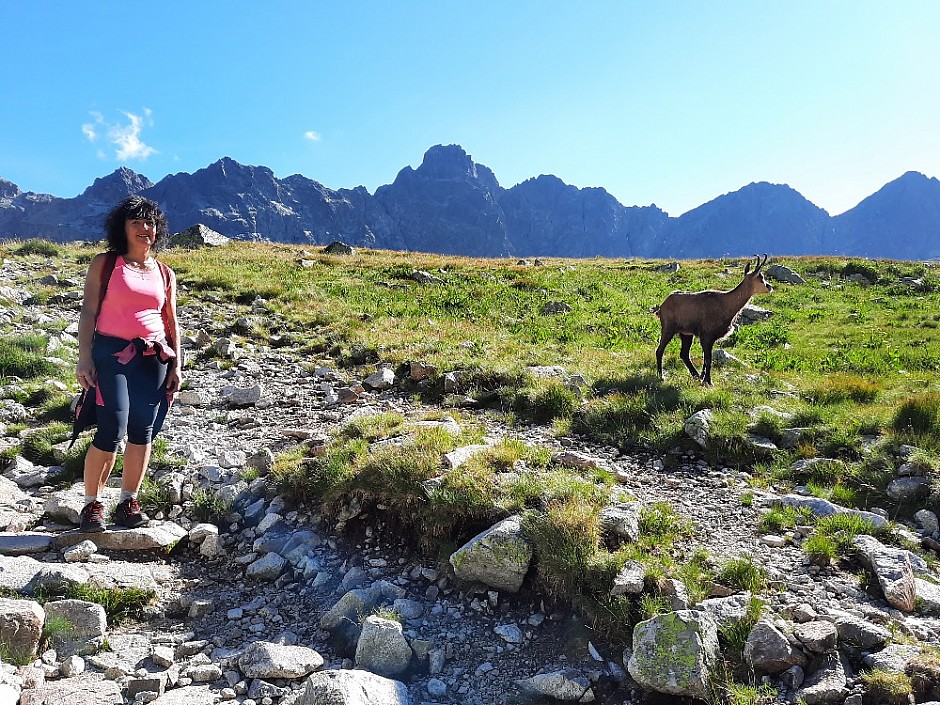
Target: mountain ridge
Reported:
[(450, 204)]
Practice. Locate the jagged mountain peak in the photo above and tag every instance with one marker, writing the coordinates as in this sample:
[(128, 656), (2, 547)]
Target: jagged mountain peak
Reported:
[(120, 183), (230, 168), (910, 183), (450, 162), (8, 189), (761, 190), (901, 219), (544, 181)]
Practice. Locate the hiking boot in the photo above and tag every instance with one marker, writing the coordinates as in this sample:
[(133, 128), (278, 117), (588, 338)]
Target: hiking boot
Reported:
[(92, 517), (128, 514)]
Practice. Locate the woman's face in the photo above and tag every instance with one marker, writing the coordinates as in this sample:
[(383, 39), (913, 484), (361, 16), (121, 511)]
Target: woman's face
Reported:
[(140, 231)]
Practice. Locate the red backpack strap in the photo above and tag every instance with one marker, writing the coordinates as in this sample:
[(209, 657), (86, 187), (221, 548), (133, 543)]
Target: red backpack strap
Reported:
[(164, 312), (107, 269), (165, 275)]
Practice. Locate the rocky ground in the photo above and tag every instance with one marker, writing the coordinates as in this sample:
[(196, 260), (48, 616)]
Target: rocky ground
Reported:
[(295, 583)]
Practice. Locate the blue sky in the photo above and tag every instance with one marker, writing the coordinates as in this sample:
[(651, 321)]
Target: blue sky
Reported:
[(672, 103)]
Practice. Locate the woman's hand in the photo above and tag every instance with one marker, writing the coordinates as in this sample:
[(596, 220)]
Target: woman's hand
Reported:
[(173, 381), (86, 374)]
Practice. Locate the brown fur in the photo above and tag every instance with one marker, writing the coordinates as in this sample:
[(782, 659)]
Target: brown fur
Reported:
[(706, 315)]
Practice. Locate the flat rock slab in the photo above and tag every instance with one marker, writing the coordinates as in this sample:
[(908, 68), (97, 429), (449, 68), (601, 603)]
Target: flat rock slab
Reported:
[(90, 689), (190, 695), (128, 653), (894, 657), (120, 574), (146, 538), (16, 572), (23, 543)]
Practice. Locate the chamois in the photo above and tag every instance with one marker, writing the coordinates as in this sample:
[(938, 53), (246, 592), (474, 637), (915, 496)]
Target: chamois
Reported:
[(707, 315)]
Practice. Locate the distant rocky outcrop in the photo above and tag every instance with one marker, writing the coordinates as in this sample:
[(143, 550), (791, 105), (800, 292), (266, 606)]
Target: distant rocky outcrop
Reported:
[(547, 216), (198, 236), (451, 204), (760, 217), (448, 205), (900, 221)]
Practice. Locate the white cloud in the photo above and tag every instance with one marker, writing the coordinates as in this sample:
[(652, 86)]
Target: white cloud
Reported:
[(89, 129), (124, 137), (312, 136)]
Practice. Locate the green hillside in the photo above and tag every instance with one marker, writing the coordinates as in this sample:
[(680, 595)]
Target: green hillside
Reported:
[(853, 352), (846, 368)]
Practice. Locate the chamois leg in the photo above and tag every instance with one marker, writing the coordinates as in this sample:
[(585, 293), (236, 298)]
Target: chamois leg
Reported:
[(663, 342), (684, 353), (707, 346)]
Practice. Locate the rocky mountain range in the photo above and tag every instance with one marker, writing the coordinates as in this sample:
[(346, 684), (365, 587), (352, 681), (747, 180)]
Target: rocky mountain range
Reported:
[(453, 205)]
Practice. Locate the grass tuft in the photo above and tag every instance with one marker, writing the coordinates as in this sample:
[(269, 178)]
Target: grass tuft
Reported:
[(24, 356), (838, 388)]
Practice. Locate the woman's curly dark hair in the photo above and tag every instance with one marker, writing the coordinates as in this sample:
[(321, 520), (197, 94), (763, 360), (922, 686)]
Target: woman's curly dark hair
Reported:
[(132, 208)]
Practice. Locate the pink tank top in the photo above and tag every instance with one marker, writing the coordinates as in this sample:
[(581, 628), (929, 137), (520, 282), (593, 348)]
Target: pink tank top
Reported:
[(132, 304)]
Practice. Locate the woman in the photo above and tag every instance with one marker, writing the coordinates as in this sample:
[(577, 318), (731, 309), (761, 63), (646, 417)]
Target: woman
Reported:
[(128, 346)]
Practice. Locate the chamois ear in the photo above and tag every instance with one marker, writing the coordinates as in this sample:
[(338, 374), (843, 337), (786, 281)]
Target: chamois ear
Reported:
[(747, 267)]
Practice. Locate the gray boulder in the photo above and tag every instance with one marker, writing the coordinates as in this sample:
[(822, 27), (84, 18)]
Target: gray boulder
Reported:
[(894, 568), (87, 625), (339, 248), (343, 618), (630, 580), (768, 650), (457, 457), (382, 378), (567, 685), (26, 474), (352, 687), (382, 647), (266, 660), (821, 507), (423, 277), (818, 636), (727, 610), (21, 623), (780, 273), (674, 652), (928, 596), (826, 681), (860, 633), (926, 521), (156, 535), (243, 396), (268, 567), (622, 519), (908, 489), (753, 314), (696, 426), (498, 557), (894, 657)]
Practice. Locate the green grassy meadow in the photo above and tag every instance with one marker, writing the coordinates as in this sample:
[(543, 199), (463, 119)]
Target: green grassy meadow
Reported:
[(845, 369), (845, 359)]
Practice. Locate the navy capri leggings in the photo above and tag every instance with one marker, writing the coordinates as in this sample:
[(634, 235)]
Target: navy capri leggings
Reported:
[(133, 394)]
